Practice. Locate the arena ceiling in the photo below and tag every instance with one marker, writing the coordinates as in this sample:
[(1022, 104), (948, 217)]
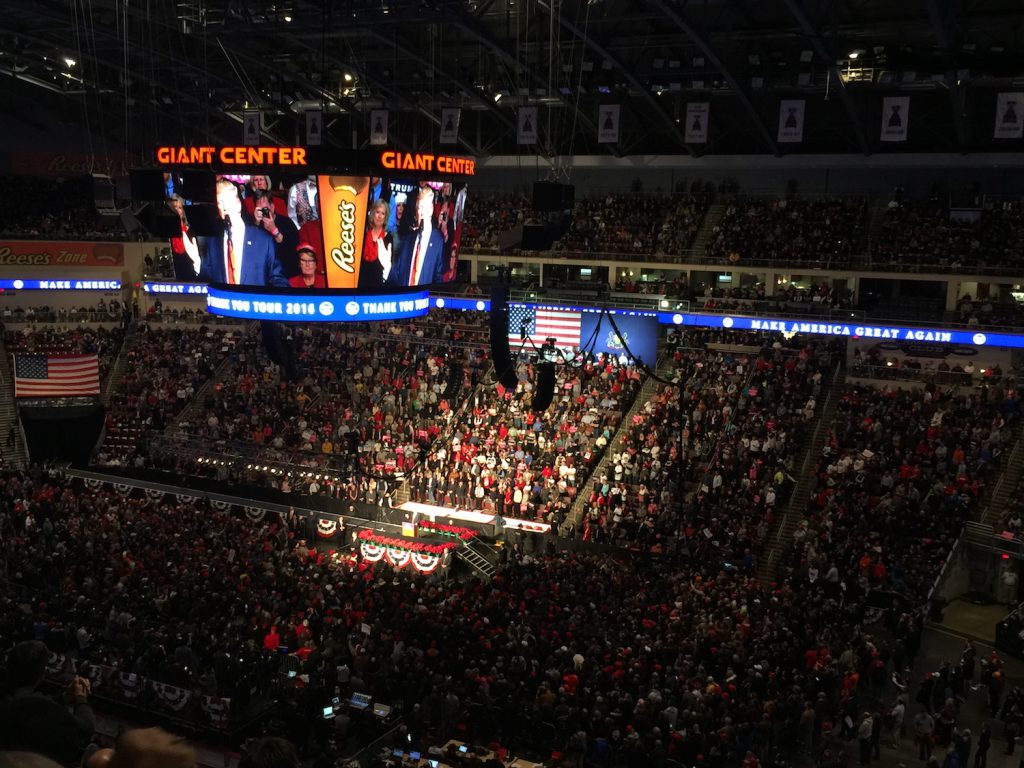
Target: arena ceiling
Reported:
[(181, 71)]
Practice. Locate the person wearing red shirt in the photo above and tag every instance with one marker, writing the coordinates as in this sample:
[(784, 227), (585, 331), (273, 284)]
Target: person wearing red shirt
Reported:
[(272, 640), (310, 275)]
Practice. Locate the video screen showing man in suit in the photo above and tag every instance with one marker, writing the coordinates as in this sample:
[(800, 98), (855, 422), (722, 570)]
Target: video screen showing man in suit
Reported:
[(245, 254)]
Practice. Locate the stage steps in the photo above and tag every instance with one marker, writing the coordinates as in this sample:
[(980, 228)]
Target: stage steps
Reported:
[(481, 557), (779, 540)]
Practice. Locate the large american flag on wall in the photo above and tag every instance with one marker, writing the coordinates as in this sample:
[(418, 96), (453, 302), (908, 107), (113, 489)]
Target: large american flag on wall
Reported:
[(56, 375), (540, 323)]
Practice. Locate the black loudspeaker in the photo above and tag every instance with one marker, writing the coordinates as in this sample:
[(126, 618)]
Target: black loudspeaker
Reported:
[(455, 376), (278, 349), (501, 356), (160, 221), (550, 196), (544, 391), (103, 192)]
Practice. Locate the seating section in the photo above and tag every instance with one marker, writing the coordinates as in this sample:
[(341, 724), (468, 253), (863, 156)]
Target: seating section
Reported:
[(526, 464), (901, 471), (616, 223), (53, 208), (796, 232), (359, 404), (166, 366), (702, 468)]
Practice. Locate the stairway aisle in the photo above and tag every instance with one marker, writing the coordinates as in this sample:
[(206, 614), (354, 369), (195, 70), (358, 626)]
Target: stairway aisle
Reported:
[(650, 386), (14, 455), (220, 373), (711, 218), (792, 511), (1009, 479), (877, 219), (117, 370)]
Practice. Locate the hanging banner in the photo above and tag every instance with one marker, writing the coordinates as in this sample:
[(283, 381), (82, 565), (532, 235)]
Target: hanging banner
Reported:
[(791, 121), (314, 127), (450, 125), (251, 128), (895, 118), (1008, 118), (378, 127), (527, 125), (697, 122), (608, 124)]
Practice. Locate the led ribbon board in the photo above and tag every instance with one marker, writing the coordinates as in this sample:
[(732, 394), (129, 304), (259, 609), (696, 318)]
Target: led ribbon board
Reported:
[(316, 306), (853, 330), (60, 285), (177, 289)]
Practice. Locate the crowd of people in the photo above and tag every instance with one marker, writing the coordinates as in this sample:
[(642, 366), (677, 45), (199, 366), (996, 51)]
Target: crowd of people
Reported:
[(524, 463), (353, 406), (488, 216), (927, 236), (901, 471), (166, 367), (789, 232), (103, 311), (588, 654), (634, 224), (53, 208), (707, 461)]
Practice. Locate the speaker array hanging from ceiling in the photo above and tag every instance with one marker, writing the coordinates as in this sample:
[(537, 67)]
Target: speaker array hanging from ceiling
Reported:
[(544, 392), (501, 356)]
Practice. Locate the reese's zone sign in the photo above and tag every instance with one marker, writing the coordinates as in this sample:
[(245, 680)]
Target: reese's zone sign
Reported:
[(343, 215), (39, 253)]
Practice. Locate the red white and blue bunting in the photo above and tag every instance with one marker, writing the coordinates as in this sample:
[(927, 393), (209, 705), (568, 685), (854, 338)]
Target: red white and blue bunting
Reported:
[(255, 514), (422, 562), (325, 528)]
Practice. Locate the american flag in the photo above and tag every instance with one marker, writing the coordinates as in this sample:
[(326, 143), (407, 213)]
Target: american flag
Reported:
[(539, 324), (56, 376)]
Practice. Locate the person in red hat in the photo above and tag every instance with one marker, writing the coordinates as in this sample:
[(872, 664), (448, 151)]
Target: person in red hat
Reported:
[(310, 276)]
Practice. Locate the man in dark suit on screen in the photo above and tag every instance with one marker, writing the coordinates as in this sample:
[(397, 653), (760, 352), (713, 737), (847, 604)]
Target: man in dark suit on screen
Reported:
[(420, 259), (243, 255)]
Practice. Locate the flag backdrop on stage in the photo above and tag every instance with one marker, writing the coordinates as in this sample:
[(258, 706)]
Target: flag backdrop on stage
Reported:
[(638, 335), (791, 121), (538, 324)]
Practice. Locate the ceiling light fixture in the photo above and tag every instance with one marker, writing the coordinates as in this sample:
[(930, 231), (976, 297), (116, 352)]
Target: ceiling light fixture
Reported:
[(70, 62)]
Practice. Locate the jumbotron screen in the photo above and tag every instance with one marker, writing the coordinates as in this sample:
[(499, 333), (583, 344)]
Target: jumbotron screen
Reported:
[(315, 231)]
